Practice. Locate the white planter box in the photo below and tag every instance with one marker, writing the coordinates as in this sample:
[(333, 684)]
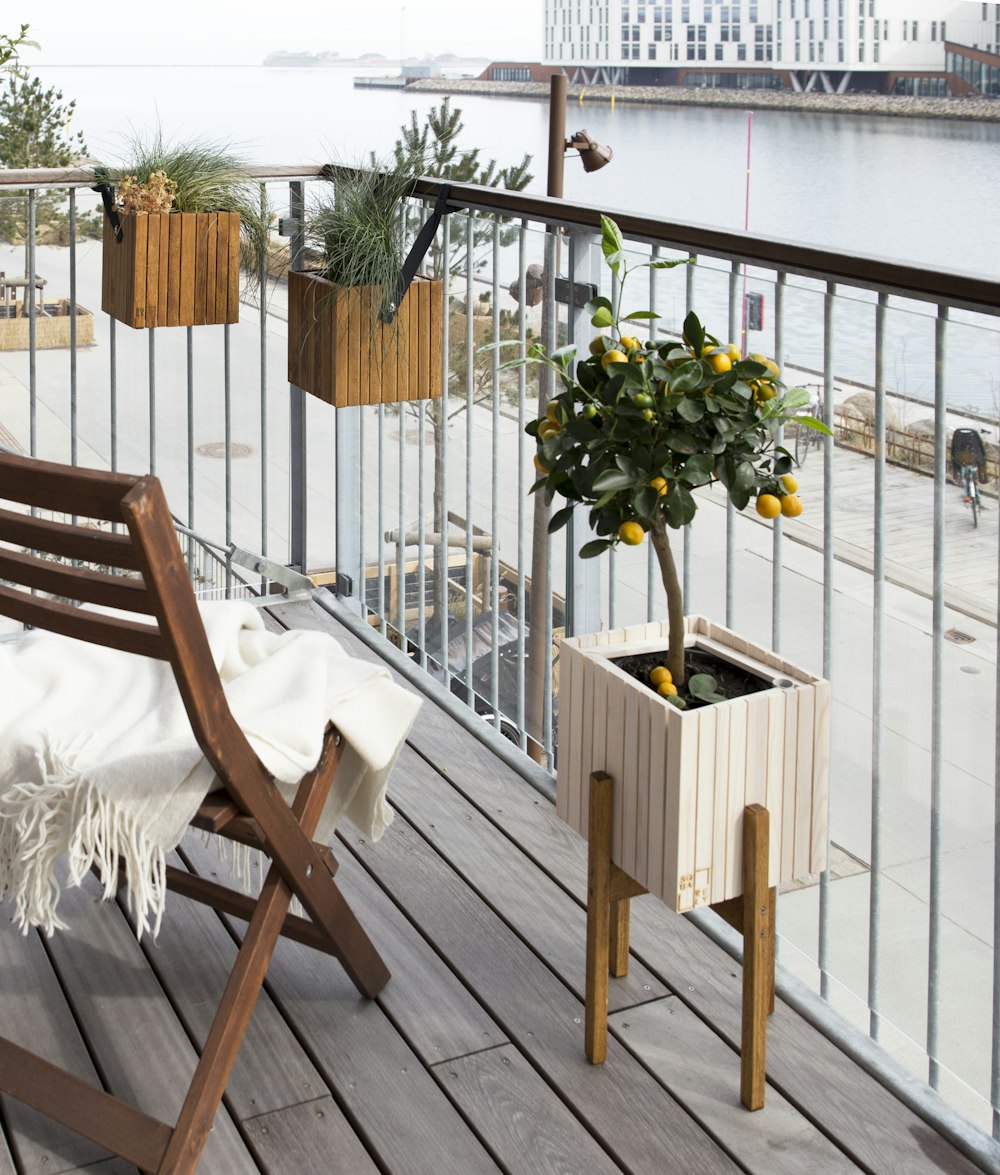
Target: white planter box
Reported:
[(683, 777)]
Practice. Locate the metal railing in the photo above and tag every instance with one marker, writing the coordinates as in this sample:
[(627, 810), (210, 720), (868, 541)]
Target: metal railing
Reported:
[(421, 514)]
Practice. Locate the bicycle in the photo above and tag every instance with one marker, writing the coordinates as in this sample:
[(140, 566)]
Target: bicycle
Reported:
[(806, 438), (968, 463), (970, 483)]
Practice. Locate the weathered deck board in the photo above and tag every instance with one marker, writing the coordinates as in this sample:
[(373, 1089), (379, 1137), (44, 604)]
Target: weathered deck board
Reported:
[(471, 1059), (700, 1068), (35, 1016), (145, 1056), (521, 1118), (637, 1119)]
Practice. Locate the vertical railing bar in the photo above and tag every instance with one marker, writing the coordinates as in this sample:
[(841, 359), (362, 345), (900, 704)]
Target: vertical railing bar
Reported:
[(383, 625), (441, 447), (360, 589), (995, 1052), (613, 553), (401, 535), (421, 539), (73, 406), (113, 389), (470, 403), (297, 443), (151, 356), (686, 560), (823, 946), (522, 395), (651, 565), (227, 400), (777, 532), (937, 709), (262, 288), (189, 346), (495, 500), (32, 331), (549, 388), (878, 633)]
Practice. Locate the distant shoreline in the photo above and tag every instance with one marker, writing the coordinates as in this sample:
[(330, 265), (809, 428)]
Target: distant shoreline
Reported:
[(967, 109)]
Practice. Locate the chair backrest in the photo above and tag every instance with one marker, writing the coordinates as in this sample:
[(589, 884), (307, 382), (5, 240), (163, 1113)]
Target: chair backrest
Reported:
[(72, 560)]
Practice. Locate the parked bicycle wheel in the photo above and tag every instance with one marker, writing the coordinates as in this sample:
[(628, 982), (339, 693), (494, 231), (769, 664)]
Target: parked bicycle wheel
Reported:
[(972, 494)]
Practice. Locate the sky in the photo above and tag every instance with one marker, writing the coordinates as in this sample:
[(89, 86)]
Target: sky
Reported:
[(200, 32)]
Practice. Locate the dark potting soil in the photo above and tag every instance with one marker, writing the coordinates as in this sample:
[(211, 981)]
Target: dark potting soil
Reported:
[(730, 680)]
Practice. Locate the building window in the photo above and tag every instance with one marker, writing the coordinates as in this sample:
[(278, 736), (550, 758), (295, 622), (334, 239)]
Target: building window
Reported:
[(718, 51)]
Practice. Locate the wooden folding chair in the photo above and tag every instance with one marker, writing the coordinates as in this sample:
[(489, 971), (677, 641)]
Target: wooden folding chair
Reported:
[(249, 808)]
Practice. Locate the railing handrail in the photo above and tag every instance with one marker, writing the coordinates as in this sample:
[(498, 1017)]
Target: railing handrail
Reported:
[(951, 287)]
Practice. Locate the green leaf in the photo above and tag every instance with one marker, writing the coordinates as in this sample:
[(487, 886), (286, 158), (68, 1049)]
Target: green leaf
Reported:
[(746, 477), (691, 410), (594, 547), (680, 506), (812, 422), (702, 687), (694, 332), (667, 263), (595, 304), (688, 378), (612, 240), (644, 502), (794, 398), (698, 469), (612, 479), (636, 315), (602, 317), (560, 518)]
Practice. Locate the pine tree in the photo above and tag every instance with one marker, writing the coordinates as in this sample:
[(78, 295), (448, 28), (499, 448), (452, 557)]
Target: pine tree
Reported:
[(34, 134)]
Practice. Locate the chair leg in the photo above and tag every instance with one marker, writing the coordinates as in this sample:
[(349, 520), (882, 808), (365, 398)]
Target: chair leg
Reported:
[(228, 1028)]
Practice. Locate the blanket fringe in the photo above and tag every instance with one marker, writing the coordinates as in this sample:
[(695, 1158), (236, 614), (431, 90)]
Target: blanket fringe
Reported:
[(66, 815)]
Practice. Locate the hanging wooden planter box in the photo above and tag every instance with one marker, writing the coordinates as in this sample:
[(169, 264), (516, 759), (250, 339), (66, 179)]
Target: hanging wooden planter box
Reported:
[(340, 352), (173, 269), (682, 778)]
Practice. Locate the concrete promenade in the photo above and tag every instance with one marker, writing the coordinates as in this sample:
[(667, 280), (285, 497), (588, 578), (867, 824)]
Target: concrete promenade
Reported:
[(893, 106)]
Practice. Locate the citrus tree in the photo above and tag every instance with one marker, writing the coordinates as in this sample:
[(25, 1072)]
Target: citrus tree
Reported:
[(640, 423)]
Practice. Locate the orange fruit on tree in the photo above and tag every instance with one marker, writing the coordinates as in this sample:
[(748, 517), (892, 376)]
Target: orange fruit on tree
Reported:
[(552, 411), (791, 505), (631, 533), (719, 362), (629, 343), (659, 675), (768, 505), (547, 428), (540, 464), (660, 485), (666, 689), (613, 356), (789, 483), (597, 345)]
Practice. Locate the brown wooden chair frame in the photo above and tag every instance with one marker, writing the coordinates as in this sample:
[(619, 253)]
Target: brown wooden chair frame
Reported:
[(249, 809)]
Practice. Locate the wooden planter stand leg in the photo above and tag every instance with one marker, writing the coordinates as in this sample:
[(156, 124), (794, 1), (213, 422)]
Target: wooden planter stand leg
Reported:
[(608, 892), (758, 956)]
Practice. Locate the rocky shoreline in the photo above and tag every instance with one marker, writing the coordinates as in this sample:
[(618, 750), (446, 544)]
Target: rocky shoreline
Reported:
[(969, 109)]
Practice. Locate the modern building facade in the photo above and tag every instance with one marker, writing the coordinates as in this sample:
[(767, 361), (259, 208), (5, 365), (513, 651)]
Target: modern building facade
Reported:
[(895, 46)]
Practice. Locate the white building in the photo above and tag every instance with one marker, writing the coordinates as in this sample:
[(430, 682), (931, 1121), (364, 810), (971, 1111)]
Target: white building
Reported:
[(906, 46)]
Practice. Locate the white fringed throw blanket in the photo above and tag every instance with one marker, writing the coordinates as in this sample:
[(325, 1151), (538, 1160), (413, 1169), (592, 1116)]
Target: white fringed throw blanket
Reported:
[(98, 762)]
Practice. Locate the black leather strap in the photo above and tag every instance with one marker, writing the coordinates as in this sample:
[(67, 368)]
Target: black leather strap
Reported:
[(108, 196), (415, 256)]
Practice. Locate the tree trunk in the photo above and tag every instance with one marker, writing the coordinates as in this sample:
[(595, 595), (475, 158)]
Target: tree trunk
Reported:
[(675, 597)]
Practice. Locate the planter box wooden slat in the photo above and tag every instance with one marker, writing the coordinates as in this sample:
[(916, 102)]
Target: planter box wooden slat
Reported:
[(683, 779), (172, 269), (338, 351)]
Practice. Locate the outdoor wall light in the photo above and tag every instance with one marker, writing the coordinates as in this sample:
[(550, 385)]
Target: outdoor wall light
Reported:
[(593, 155)]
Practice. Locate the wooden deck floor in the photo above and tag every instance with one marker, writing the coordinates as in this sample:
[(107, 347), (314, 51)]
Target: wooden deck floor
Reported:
[(471, 1060)]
